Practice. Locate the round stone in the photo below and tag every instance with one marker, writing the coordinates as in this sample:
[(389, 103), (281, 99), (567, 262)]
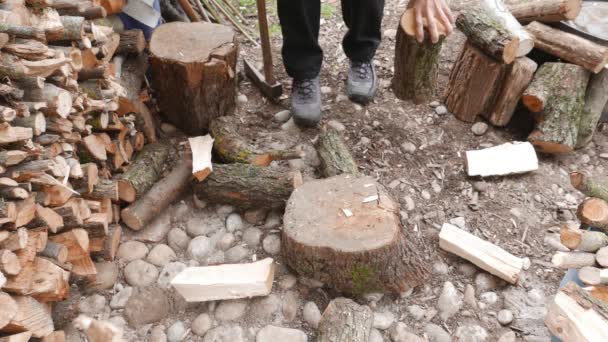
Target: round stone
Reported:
[(178, 239), (375, 336), (176, 332), (337, 125), (199, 248), (197, 226), (170, 271), (441, 110), (139, 273), (264, 309), (234, 222), (230, 310), (311, 314), (161, 255), (505, 317), (132, 250), (273, 220), (92, 305), (408, 147), (255, 216), (272, 244), (480, 128), (291, 303), (236, 254), (226, 241), (282, 116), (147, 306), (274, 334), (252, 236), (201, 324), (383, 320)]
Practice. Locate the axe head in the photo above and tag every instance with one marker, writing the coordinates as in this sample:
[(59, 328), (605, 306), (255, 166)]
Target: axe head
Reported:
[(272, 91)]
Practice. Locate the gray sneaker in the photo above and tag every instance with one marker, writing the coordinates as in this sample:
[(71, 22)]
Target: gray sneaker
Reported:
[(361, 83), (306, 102)]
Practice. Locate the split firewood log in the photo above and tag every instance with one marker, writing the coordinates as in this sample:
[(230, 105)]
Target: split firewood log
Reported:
[(32, 316), (8, 311), (594, 212), (345, 320), (566, 260), (334, 155), (143, 173), (545, 11), (592, 187)]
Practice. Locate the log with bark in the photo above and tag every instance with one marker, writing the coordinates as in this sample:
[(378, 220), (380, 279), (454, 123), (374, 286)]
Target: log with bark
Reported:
[(596, 98), (143, 173), (590, 186), (373, 254), (345, 321), (334, 156), (582, 240), (195, 76), (546, 11), (594, 212)]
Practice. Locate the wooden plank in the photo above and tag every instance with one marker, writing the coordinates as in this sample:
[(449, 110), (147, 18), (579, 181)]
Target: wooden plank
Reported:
[(200, 284), (483, 254), (506, 159)]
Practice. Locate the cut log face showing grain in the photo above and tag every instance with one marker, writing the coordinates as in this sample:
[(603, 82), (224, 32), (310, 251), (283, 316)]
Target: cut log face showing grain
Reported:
[(566, 260), (596, 98), (31, 316), (143, 172), (546, 11), (574, 315), (483, 254), (506, 159), (201, 148), (416, 64), (9, 263), (223, 282), (359, 253), (345, 321), (583, 240), (473, 84), (557, 92), (602, 257), (593, 276), (569, 47), (196, 74), (594, 212), (9, 309), (334, 155)]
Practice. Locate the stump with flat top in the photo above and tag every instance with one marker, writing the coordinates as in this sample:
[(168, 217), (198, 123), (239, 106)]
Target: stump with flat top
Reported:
[(345, 231), (194, 72)]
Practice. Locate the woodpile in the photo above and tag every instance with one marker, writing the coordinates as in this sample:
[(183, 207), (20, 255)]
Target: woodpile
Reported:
[(493, 76), (74, 135)]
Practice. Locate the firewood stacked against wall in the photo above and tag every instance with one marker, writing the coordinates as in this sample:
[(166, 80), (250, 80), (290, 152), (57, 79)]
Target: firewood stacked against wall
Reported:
[(493, 73), (70, 127)]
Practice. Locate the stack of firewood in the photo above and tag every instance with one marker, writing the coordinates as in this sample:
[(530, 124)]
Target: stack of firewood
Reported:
[(71, 122), (493, 73), (589, 255)]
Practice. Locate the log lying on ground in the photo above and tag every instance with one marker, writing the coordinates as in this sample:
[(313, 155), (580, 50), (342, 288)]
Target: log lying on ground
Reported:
[(589, 186), (345, 321), (487, 27), (506, 159), (546, 11), (160, 195), (602, 257), (596, 98), (566, 260), (557, 93), (483, 254), (373, 254), (473, 84), (593, 276), (143, 173), (582, 240), (232, 147), (416, 64), (196, 74), (201, 148), (223, 282), (569, 47), (247, 186), (574, 315), (594, 212), (516, 79), (334, 155)]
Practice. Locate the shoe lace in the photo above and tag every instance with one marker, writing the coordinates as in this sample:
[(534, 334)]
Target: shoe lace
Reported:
[(305, 88), (362, 69)]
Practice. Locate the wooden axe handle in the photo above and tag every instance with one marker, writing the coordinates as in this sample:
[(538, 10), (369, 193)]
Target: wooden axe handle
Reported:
[(265, 40)]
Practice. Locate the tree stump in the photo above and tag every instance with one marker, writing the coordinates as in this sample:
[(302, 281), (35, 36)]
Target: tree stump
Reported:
[(345, 321), (345, 231), (416, 64), (194, 73)]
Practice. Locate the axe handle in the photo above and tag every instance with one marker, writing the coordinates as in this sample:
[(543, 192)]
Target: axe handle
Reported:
[(265, 40)]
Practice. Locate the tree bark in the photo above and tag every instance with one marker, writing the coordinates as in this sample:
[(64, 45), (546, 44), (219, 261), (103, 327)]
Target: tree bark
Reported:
[(569, 47), (589, 186), (566, 260), (547, 11), (132, 42), (345, 321), (348, 235), (334, 155), (143, 173), (473, 84), (194, 75), (596, 98), (559, 103)]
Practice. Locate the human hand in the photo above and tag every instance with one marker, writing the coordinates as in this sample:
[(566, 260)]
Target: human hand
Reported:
[(430, 13)]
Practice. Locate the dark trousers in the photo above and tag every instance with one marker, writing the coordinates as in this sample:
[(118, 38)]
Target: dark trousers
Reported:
[(302, 54)]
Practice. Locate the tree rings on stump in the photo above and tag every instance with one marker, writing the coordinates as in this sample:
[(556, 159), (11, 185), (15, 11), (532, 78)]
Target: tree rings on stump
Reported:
[(345, 231)]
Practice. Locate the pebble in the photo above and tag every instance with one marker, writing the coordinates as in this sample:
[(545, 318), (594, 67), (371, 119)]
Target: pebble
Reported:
[(480, 186), (255, 216), (469, 297), (146, 306), (375, 336), (536, 297), (201, 324), (271, 333), (178, 239), (119, 300), (471, 333), (441, 110), (230, 310), (467, 269), (288, 281), (527, 264), (92, 305), (169, 272), (272, 244), (408, 147), (337, 125), (425, 194), (436, 187), (505, 317), (289, 125), (176, 332), (236, 254), (325, 90), (197, 226), (252, 236), (225, 334), (161, 255), (282, 116), (400, 333), (449, 302), (273, 220), (390, 33), (264, 308), (479, 128), (459, 222), (509, 336), (364, 141), (311, 314), (435, 104), (291, 303), (416, 311), (234, 222), (489, 298), (139, 273), (199, 248), (226, 241), (225, 210), (158, 334), (436, 333), (485, 282), (242, 98), (440, 268), (410, 205), (383, 320), (132, 250)]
